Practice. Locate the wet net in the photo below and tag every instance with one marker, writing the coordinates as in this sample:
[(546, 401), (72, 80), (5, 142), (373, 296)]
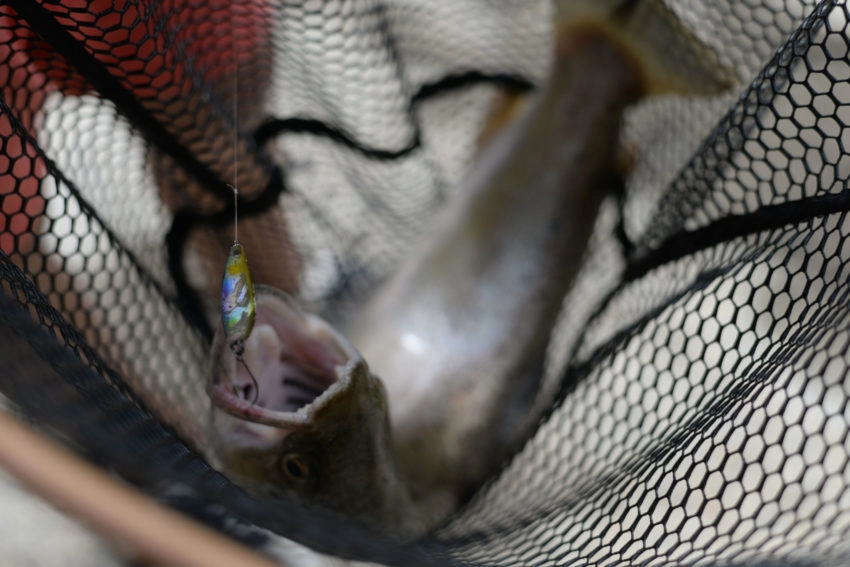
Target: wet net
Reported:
[(695, 407)]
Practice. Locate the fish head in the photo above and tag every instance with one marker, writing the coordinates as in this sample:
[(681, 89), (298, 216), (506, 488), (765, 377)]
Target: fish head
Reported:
[(303, 416)]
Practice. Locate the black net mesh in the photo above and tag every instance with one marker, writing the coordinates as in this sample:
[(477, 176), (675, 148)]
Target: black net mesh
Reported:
[(695, 404)]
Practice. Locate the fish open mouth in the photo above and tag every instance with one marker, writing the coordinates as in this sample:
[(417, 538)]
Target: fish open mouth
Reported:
[(290, 362)]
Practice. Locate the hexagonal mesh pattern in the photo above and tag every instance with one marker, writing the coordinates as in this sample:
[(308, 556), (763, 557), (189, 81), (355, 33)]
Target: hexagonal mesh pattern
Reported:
[(695, 404)]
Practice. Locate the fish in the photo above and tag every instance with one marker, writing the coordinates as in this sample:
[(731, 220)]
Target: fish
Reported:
[(398, 416)]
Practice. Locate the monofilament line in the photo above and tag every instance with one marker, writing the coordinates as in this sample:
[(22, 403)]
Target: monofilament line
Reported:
[(235, 213), (235, 124)]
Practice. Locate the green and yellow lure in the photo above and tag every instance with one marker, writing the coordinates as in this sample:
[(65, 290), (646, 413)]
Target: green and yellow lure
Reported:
[(238, 304)]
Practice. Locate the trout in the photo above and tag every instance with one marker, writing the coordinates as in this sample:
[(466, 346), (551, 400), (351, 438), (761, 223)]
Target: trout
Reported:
[(401, 415)]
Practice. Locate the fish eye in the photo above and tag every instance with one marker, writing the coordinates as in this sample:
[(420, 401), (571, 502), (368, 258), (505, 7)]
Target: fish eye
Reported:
[(294, 466)]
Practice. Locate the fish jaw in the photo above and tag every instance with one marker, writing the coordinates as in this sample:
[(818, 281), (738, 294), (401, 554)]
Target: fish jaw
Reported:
[(261, 421), (326, 439), (292, 363)]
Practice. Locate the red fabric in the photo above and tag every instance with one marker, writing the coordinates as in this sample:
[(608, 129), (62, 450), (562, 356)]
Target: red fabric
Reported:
[(145, 47)]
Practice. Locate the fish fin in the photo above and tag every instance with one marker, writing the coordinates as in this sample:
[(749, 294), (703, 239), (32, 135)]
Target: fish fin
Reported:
[(672, 58)]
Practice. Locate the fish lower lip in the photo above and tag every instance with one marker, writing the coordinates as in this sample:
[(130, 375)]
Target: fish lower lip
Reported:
[(287, 389), (222, 398)]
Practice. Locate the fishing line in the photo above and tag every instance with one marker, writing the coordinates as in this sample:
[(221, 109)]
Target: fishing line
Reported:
[(235, 131), (238, 303)]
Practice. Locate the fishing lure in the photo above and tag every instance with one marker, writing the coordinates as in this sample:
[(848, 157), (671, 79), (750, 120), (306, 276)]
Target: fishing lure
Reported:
[(238, 302)]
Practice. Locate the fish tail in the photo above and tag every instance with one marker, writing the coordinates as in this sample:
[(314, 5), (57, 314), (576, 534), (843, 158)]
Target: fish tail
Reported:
[(671, 57)]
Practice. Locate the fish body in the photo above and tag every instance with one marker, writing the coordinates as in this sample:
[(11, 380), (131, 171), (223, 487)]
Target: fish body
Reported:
[(455, 340), (459, 334)]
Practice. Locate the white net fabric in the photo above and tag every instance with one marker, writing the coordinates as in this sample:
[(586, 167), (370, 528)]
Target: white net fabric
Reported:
[(695, 406)]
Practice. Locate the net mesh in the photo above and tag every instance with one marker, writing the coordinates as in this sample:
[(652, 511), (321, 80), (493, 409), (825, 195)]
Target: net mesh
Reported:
[(695, 405)]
